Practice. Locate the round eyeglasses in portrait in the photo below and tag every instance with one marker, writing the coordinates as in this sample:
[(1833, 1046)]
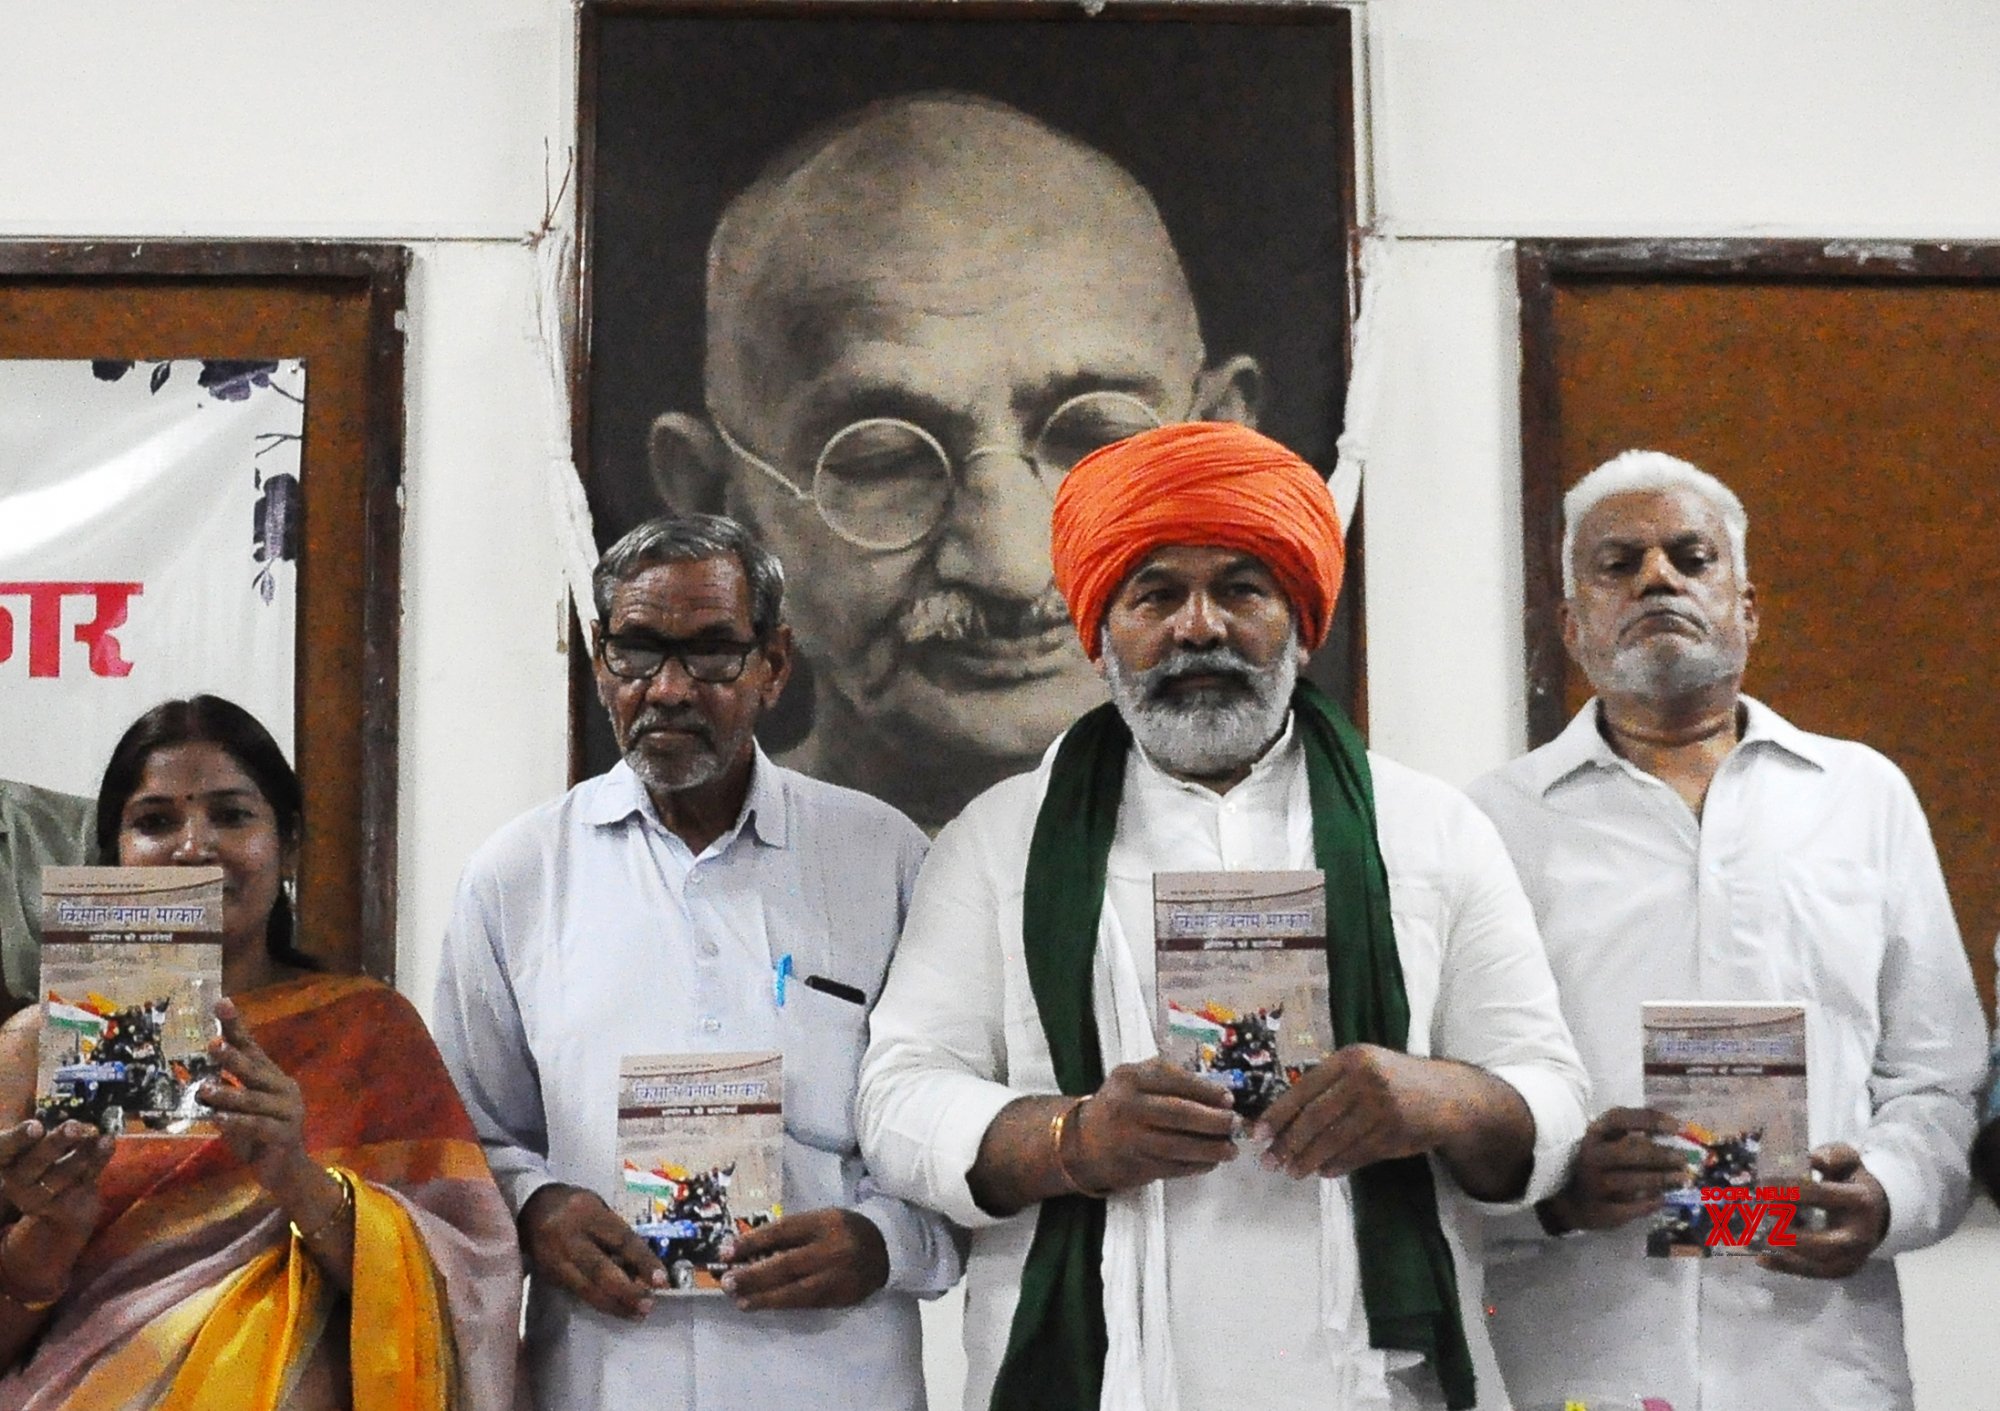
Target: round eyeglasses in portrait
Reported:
[(883, 483)]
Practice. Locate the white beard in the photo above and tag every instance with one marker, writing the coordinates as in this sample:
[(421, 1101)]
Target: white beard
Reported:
[(1209, 733)]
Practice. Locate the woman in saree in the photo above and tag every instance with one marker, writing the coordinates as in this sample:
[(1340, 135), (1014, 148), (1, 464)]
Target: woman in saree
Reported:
[(340, 1243)]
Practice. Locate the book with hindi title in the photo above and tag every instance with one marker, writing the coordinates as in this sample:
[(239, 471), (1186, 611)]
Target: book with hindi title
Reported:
[(1734, 1075), (131, 969), (701, 1152), (1241, 978)]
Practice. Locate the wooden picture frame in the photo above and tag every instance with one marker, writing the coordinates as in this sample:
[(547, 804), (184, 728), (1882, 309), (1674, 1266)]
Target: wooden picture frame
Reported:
[(1844, 390), (1235, 119), (341, 308)]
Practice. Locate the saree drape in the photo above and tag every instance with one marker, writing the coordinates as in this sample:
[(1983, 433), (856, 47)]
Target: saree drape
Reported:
[(193, 1291)]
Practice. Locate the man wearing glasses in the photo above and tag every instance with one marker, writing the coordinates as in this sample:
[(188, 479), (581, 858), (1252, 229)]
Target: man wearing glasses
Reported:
[(918, 319), (696, 899)]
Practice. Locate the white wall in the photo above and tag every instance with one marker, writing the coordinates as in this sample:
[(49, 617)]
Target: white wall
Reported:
[(362, 120), (440, 126), (1702, 117)]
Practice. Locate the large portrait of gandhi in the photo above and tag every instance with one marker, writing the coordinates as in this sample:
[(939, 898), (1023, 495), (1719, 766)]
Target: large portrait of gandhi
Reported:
[(873, 286)]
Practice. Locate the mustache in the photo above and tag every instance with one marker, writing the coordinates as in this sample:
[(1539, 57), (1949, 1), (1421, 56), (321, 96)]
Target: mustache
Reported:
[(954, 615), (1225, 662), (658, 718)]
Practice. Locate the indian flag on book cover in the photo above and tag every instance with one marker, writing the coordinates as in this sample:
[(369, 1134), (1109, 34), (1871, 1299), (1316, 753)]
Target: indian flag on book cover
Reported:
[(72, 1017), (654, 1182), (1196, 1024), (1735, 1076)]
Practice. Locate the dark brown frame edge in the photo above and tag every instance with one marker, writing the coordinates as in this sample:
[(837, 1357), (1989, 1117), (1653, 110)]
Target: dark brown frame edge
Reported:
[(386, 270), (1540, 266), (582, 685)]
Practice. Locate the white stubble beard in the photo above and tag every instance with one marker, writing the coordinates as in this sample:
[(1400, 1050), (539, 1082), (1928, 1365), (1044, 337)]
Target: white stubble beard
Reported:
[(1670, 669)]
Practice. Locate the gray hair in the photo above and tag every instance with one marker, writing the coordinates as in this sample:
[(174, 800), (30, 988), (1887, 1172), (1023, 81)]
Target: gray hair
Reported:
[(689, 538), (1632, 471)]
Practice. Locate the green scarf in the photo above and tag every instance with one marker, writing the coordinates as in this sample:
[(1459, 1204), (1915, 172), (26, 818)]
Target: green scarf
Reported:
[(1056, 1347)]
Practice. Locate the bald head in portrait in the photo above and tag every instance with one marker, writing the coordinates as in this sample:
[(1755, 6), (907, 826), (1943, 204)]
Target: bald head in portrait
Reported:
[(917, 319)]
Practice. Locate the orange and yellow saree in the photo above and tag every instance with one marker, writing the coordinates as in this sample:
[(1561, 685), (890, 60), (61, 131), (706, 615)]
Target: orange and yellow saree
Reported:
[(193, 1292)]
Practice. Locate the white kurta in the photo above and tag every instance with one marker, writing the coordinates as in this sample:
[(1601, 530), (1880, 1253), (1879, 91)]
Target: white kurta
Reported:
[(1809, 876), (585, 931), (957, 1036)]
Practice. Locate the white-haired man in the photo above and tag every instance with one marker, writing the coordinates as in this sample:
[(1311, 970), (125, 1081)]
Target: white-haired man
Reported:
[(1681, 841)]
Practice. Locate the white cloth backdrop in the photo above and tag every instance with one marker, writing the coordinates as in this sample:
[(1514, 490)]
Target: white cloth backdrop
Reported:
[(149, 523)]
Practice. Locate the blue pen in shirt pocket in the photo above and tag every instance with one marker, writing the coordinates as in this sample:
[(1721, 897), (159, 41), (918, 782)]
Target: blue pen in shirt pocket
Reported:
[(781, 977)]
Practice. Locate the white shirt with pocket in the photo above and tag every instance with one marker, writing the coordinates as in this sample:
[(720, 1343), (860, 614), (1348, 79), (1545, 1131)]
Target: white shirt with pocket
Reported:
[(584, 932), (1810, 876)]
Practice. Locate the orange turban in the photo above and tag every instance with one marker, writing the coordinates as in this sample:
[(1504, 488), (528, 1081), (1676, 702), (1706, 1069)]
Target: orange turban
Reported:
[(1198, 483)]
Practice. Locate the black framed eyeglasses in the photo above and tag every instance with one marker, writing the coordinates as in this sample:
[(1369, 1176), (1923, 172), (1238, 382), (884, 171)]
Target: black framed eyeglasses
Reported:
[(634, 656), (885, 484)]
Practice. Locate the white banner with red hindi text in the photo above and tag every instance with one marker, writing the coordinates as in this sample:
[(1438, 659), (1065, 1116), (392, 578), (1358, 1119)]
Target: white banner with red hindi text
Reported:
[(149, 535)]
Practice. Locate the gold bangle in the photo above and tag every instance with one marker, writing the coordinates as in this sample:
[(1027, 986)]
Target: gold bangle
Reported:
[(32, 1305), (1057, 1124), (346, 1184)]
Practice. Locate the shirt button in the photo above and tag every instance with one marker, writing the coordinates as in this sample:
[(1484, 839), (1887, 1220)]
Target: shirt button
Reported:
[(710, 1024)]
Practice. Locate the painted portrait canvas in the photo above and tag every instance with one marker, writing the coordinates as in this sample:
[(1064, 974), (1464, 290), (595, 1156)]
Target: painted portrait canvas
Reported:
[(872, 284)]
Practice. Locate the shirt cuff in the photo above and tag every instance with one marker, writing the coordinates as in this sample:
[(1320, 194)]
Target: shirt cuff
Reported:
[(1905, 1186), (962, 1108), (1559, 1120), (922, 1258), (1518, 1224), (518, 1184)]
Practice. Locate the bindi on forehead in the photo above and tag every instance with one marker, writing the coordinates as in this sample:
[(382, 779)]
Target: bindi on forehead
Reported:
[(226, 794), (200, 766)]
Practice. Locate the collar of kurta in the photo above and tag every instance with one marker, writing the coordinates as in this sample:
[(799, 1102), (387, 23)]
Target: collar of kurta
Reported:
[(1582, 744), (619, 796)]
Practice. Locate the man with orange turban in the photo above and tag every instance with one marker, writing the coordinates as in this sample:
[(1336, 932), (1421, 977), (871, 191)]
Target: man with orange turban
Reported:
[(1127, 1251)]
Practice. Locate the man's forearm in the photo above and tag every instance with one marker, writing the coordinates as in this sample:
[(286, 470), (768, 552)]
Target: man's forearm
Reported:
[(1016, 1165), (1488, 1133)]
